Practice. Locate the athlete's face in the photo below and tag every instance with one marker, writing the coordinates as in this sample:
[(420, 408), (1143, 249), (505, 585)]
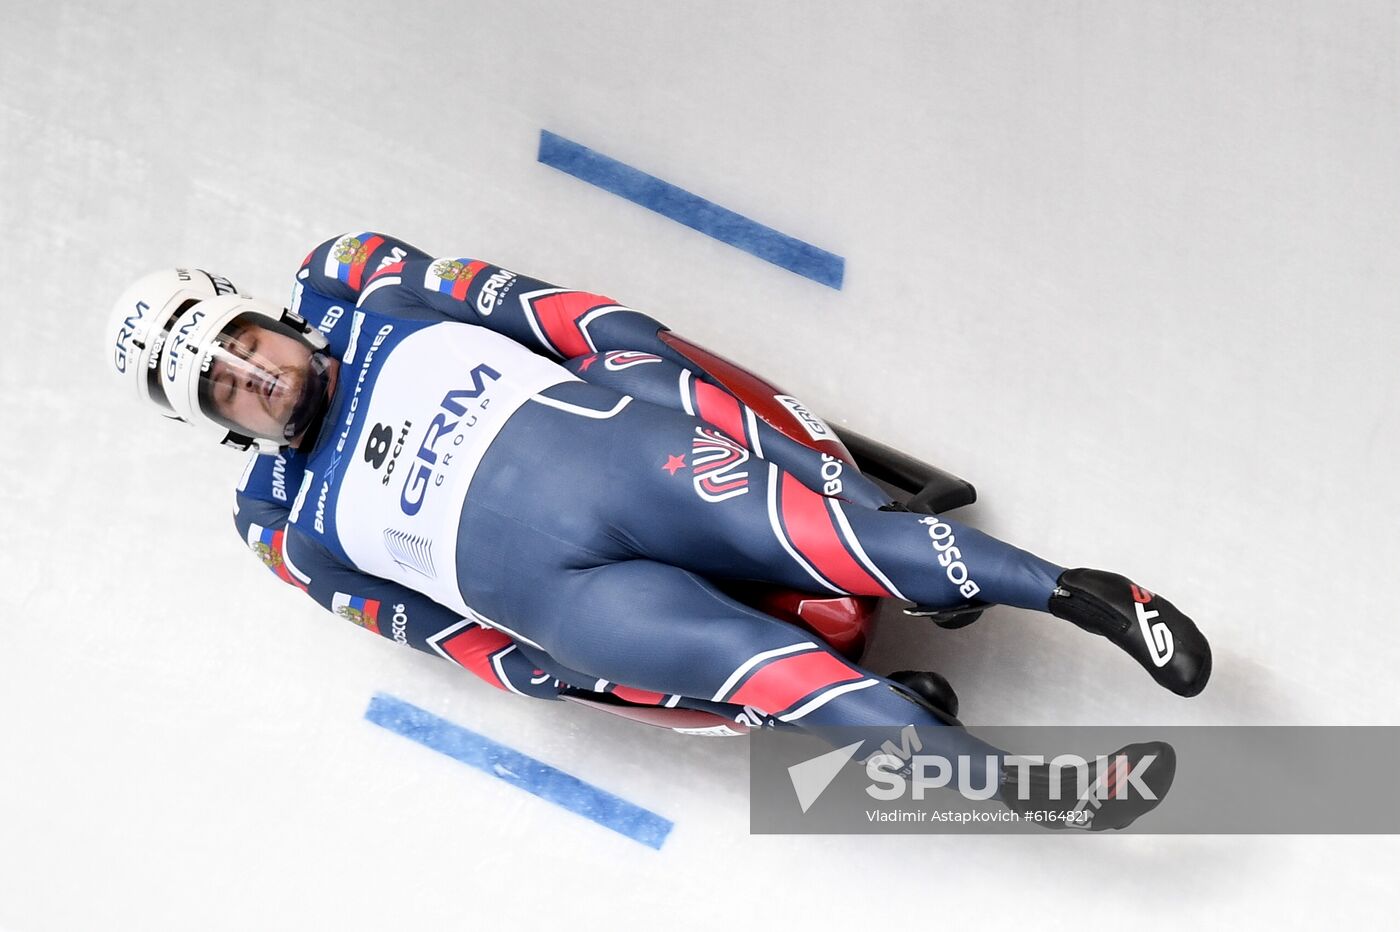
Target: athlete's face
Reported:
[(260, 378)]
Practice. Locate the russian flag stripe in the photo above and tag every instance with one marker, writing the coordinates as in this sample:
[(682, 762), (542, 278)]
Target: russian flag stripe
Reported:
[(464, 281), (352, 273), (355, 273), (458, 286)]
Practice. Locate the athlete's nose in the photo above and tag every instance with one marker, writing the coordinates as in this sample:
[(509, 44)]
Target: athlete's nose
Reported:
[(258, 383)]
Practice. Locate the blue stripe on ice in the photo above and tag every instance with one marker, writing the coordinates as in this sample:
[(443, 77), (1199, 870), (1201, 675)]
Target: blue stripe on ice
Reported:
[(518, 769), (693, 211)]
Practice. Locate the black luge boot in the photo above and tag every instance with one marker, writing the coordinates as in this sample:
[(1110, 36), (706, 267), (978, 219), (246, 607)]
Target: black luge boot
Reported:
[(1114, 792), (1149, 628)]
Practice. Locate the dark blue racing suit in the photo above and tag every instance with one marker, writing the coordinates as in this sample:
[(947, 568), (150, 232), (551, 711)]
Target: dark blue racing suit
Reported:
[(529, 482)]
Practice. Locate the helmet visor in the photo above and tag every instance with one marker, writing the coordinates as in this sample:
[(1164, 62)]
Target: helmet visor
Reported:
[(261, 378)]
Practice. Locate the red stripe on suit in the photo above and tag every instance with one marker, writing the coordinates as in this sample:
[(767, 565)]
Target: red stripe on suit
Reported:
[(473, 648), (559, 314), (782, 682), (719, 408), (813, 532)]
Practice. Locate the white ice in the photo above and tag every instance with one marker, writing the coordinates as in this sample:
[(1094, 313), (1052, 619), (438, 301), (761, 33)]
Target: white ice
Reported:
[(1131, 268)]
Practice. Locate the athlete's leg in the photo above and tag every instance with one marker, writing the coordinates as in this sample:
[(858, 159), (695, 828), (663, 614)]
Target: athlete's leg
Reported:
[(613, 478), (648, 377), (672, 632), (698, 499), (1024, 580), (665, 630), (583, 684)]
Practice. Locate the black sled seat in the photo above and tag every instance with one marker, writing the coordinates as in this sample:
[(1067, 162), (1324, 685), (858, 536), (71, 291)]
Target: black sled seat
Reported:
[(930, 490)]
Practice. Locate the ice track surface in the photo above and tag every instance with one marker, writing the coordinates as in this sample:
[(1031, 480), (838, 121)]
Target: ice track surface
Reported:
[(1130, 268)]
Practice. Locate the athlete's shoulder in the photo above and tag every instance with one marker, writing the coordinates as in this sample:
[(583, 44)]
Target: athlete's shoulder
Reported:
[(342, 265), (442, 288)]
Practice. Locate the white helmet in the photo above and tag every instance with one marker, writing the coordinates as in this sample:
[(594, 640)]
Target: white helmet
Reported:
[(246, 370), (140, 322)]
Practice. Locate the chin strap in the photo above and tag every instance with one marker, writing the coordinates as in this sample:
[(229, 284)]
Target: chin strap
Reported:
[(237, 442)]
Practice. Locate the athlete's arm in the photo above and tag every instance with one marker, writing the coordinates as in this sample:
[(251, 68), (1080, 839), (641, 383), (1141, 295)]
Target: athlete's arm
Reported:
[(386, 608), (556, 322), (340, 267), (564, 324), (333, 275)]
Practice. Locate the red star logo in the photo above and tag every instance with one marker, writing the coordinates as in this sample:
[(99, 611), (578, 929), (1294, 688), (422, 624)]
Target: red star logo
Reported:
[(673, 463), (583, 366)]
